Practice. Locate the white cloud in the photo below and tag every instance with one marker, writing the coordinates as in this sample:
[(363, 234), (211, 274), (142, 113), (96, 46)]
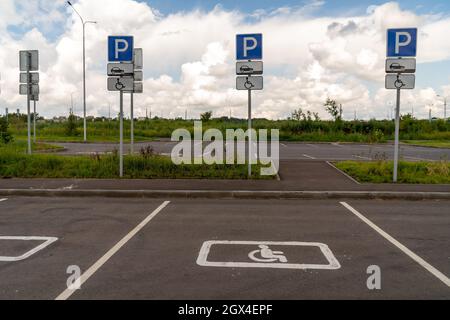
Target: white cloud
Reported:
[(189, 57)]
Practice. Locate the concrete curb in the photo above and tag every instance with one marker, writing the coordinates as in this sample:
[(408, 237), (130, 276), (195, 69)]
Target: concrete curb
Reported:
[(194, 194)]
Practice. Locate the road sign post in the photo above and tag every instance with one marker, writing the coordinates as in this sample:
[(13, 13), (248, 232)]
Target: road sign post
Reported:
[(401, 43), (28, 107), (29, 61), (120, 51), (34, 121), (121, 136), (138, 60), (249, 47)]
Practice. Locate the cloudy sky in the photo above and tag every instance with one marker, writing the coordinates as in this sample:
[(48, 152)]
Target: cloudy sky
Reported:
[(314, 49)]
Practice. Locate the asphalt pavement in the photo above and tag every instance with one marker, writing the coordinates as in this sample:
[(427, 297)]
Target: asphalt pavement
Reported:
[(289, 151), (225, 249), (295, 175)]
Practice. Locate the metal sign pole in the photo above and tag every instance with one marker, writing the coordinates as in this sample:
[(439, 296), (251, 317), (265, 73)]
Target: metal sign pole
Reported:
[(84, 85), (121, 136), (249, 133), (132, 124), (34, 120), (397, 136), (29, 88)]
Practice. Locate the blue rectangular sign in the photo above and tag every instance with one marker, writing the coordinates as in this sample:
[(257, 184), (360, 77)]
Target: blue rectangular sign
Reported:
[(249, 46), (402, 42), (120, 48)]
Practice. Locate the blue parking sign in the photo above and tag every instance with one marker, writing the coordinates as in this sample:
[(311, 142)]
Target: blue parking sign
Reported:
[(120, 48), (402, 42), (249, 46)]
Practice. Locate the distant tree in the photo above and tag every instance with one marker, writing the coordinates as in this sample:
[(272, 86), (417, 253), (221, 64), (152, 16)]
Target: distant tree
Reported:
[(5, 135), (316, 116), (298, 114), (333, 109), (71, 126), (205, 117)]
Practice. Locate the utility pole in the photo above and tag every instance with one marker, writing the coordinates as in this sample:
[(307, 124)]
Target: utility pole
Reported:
[(445, 106)]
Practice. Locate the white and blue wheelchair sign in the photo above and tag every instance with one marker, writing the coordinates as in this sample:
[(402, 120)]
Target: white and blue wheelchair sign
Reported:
[(249, 47), (402, 42), (120, 48)]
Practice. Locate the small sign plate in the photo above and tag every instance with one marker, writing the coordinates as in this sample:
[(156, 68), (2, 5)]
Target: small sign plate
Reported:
[(249, 83), (402, 81), (120, 69), (400, 65), (249, 68), (125, 84)]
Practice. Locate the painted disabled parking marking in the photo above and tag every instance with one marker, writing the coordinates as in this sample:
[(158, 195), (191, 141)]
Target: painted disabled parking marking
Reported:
[(47, 241), (264, 257)]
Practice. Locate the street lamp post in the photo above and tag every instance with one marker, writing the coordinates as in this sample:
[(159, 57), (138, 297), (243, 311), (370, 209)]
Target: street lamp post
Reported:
[(84, 23)]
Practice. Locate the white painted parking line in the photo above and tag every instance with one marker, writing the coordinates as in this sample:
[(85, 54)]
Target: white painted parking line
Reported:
[(342, 172), (308, 156), (361, 157), (283, 145), (1, 200), (419, 159), (47, 241), (97, 265), (337, 145), (265, 257), (435, 272)]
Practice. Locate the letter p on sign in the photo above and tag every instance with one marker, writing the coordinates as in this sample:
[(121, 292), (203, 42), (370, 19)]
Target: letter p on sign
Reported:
[(249, 47), (120, 49), (402, 42)]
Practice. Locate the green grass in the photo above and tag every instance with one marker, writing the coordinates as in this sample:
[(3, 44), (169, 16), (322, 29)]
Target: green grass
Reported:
[(430, 143), (409, 172), (17, 165), (372, 131), (21, 146)]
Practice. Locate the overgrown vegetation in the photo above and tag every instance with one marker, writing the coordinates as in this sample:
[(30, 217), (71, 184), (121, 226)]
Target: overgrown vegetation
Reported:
[(303, 125), (409, 172), (71, 126), (430, 143), (20, 146), (144, 166), (5, 135)]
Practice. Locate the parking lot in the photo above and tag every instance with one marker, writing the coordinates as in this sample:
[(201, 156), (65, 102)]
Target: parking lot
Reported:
[(214, 249), (289, 150)]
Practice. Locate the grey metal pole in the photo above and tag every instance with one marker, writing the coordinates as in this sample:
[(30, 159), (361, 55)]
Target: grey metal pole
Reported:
[(121, 136), (84, 82), (397, 137), (34, 120), (28, 102), (132, 124), (249, 133), (445, 109)]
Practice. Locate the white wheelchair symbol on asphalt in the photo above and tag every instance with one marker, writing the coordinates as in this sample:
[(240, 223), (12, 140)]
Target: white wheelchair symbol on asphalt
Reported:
[(267, 255), (264, 256)]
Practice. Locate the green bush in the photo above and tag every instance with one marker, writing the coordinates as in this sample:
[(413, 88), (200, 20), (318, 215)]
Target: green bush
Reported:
[(5, 135)]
